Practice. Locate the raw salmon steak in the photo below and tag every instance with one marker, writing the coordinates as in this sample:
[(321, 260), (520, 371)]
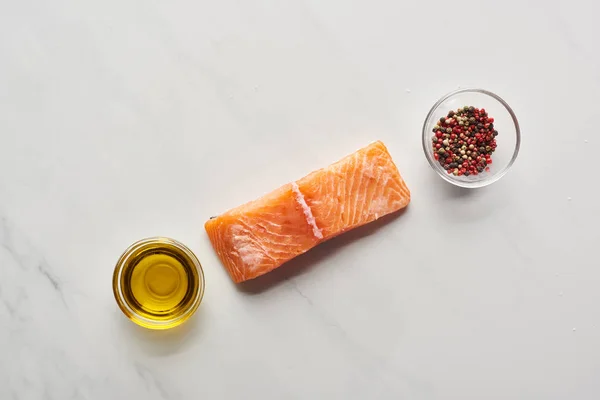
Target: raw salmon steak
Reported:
[(259, 236)]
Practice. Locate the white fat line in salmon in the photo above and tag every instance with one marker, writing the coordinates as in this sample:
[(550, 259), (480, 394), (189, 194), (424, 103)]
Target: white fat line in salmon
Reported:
[(307, 211)]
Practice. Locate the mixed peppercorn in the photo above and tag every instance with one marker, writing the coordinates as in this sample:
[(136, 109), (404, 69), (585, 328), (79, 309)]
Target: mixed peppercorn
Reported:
[(464, 141)]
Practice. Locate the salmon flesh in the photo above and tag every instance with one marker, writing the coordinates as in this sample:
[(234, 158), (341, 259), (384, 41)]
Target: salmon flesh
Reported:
[(261, 235)]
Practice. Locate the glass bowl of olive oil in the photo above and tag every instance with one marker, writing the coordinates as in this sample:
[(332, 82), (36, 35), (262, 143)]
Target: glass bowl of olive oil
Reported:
[(158, 283)]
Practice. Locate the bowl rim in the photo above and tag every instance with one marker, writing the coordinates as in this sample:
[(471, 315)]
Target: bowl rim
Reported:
[(449, 178), (118, 290)]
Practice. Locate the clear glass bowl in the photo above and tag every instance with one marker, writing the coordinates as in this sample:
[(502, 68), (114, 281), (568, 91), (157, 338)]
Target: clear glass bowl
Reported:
[(156, 254), (505, 122)]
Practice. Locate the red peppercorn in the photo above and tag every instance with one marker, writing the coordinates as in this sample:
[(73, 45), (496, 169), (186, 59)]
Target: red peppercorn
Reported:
[(491, 120)]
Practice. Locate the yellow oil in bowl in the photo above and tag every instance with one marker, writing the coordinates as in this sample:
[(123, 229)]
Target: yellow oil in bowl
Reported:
[(158, 283)]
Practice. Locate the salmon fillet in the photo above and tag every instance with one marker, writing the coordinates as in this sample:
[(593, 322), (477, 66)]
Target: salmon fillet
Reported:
[(261, 235)]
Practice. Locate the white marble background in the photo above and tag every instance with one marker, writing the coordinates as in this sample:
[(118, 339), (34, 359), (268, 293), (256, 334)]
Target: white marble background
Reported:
[(126, 119)]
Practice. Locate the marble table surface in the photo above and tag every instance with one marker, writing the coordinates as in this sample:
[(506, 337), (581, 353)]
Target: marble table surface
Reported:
[(126, 119)]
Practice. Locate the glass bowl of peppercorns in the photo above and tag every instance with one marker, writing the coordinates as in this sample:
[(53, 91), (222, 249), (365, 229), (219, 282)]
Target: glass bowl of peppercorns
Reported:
[(471, 137)]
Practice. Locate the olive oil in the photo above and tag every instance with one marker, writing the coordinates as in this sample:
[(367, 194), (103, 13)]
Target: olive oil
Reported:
[(158, 283)]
